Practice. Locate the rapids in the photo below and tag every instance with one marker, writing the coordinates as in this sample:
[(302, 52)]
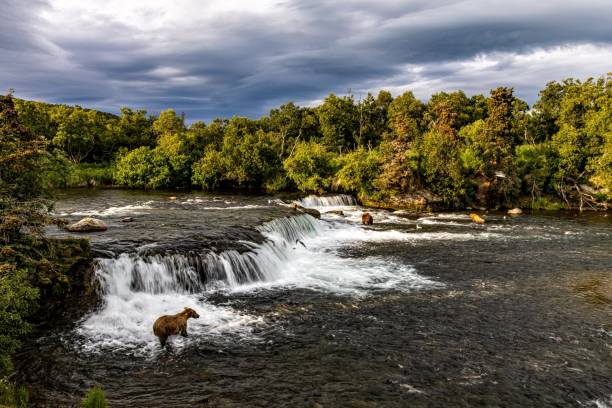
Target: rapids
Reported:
[(418, 309)]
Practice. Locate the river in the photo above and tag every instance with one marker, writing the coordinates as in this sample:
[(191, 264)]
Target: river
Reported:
[(420, 310)]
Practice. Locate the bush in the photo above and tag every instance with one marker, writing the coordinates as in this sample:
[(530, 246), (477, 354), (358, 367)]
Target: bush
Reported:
[(13, 396), (143, 168), (359, 170), (209, 171), (95, 398), (535, 165), (543, 203), (82, 173), (311, 167), (246, 161)]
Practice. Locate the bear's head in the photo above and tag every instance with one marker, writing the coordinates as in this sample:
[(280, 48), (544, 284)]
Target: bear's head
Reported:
[(191, 313)]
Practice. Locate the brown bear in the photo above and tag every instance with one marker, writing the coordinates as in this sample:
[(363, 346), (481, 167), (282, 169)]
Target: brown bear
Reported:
[(366, 219), (169, 325), (477, 218)]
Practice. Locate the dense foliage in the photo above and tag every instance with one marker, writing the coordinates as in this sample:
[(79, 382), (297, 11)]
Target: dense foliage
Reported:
[(33, 269), (486, 151)]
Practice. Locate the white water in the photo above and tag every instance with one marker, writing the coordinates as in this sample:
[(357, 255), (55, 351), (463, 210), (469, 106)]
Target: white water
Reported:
[(299, 252), (328, 201), (601, 403), (132, 209)]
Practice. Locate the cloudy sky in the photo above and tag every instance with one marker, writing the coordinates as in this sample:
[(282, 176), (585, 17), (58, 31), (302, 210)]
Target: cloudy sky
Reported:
[(223, 57)]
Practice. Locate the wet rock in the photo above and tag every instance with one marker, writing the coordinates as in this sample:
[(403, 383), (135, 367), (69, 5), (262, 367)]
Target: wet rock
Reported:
[(366, 219), (172, 198), (310, 211), (515, 211), (477, 218), (335, 212), (87, 225), (127, 219)]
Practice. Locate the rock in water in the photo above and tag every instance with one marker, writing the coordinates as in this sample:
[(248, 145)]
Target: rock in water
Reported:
[(311, 211), (127, 219), (366, 219), (477, 218), (515, 211), (335, 212), (87, 225)]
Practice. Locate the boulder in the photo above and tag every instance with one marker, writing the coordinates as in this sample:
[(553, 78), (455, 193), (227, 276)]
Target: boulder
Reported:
[(310, 211), (366, 219), (477, 218), (515, 211), (87, 225)]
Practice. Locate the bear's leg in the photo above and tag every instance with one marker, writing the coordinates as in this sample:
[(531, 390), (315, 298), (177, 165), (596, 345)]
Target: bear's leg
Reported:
[(162, 340), (184, 332)]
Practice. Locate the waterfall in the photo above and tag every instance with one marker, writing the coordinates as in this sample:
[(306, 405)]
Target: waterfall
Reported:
[(195, 272), (328, 201), (298, 251)]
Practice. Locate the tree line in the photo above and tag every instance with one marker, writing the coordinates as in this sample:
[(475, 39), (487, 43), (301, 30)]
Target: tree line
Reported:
[(492, 151)]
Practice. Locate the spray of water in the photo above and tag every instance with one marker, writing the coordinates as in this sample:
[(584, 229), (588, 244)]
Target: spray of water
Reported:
[(298, 251)]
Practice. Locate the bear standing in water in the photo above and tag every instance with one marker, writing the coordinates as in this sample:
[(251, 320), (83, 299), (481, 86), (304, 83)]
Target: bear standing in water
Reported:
[(170, 325)]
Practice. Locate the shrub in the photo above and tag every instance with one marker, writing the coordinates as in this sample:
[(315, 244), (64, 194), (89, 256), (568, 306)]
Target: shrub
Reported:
[(13, 396), (311, 167), (95, 398), (358, 171), (143, 168)]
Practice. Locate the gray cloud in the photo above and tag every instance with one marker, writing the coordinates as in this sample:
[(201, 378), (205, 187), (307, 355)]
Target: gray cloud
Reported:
[(243, 61)]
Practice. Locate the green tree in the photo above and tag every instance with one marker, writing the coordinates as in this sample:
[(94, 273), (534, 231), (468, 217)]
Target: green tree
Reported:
[(535, 166), (358, 171), (23, 215), (78, 133), (373, 118), (465, 109), (441, 163), (405, 118), (495, 146), (168, 122), (144, 168), (311, 167), (22, 156), (132, 129), (245, 161), (286, 122), (338, 121), (200, 136)]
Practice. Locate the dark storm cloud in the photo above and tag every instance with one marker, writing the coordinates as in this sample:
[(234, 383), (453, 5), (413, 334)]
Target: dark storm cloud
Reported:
[(244, 62)]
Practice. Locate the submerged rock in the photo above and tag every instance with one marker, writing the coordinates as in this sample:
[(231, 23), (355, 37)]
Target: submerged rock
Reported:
[(335, 212), (477, 218), (127, 219), (515, 211), (87, 225), (366, 219)]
